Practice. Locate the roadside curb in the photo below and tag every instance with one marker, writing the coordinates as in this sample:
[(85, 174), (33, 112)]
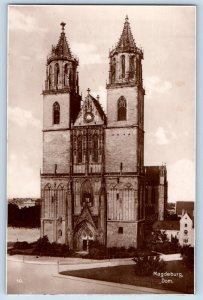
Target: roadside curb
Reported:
[(120, 285)]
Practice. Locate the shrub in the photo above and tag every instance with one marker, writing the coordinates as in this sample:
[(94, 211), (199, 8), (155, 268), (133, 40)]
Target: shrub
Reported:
[(187, 253), (21, 245), (146, 265)]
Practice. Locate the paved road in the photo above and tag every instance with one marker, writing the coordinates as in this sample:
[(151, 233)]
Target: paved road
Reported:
[(34, 278)]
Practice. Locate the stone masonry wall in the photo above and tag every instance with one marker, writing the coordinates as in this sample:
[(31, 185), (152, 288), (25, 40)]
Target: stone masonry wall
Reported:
[(56, 150), (121, 146), (126, 239)]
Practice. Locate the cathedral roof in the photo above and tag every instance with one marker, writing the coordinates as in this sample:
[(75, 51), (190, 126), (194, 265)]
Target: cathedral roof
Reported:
[(184, 206), (62, 49), (98, 107), (166, 225)]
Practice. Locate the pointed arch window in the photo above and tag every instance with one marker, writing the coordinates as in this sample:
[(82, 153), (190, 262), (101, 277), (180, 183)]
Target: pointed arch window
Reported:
[(113, 70), (66, 75), (71, 78), (56, 74), (56, 113), (123, 66), (95, 154), (86, 193), (132, 66), (79, 149), (50, 76), (122, 109)]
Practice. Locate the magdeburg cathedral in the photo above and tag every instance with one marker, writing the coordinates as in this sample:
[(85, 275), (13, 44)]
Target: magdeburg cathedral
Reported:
[(94, 185)]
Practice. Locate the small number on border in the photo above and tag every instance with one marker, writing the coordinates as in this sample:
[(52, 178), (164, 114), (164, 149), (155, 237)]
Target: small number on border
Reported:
[(19, 280)]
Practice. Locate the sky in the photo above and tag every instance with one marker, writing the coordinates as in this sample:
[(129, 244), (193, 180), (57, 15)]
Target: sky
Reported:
[(167, 36)]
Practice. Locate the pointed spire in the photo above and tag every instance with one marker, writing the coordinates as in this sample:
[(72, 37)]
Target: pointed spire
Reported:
[(62, 48), (126, 41)]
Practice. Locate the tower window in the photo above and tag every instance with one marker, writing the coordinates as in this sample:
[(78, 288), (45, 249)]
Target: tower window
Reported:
[(66, 75), (120, 230), (122, 108), (123, 66), (113, 70), (50, 77), (132, 66), (56, 113), (56, 74)]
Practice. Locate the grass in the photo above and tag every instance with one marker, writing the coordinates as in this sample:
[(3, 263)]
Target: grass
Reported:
[(126, 275)]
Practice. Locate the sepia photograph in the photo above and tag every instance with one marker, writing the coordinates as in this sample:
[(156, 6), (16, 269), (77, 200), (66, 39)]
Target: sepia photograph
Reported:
[(101, 149)]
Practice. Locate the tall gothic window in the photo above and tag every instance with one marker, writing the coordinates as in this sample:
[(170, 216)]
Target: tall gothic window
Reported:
[(113, 70), (132, 66), (56, 113), (65, 75), (95, 147), (56, 74), (79, 149), (71, 78), (86, 193), (122, 109), (123, 66), (50, 76)]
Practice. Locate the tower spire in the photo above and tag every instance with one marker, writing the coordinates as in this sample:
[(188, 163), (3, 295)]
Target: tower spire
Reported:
[(126, 41)]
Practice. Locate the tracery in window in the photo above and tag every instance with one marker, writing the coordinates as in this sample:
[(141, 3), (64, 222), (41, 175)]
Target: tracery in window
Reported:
[(56, 113), (86, 193), (122, 109)]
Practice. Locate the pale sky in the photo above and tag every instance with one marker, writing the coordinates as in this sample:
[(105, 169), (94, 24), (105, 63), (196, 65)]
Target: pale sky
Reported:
[(167, 37)]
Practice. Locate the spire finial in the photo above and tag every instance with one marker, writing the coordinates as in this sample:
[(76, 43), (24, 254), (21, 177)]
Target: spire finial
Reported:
[(88, 91), (63, 26), (126, 18)]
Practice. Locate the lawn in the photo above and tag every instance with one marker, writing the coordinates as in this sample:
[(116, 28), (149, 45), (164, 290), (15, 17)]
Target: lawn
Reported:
[(126, 275)]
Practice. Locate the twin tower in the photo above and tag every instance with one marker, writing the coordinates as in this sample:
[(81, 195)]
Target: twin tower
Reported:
[(93, 182)]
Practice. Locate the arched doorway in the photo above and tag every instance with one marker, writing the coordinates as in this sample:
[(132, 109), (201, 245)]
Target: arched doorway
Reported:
[(84, 233)]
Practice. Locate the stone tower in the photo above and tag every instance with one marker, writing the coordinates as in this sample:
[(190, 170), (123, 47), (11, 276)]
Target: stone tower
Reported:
[(124, 153), (61, 104)]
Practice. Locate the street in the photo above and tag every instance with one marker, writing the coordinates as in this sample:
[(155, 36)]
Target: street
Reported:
[(37, 278)]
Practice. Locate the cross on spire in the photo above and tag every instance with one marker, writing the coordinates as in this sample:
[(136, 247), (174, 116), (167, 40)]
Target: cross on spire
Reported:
[(63, 26), (88, 91)]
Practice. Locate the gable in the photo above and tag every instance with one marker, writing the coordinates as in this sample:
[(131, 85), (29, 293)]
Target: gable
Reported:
[(91, 113)]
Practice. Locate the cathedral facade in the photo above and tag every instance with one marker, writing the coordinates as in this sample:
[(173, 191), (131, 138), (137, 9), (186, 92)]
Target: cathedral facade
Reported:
[(94, 185)]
